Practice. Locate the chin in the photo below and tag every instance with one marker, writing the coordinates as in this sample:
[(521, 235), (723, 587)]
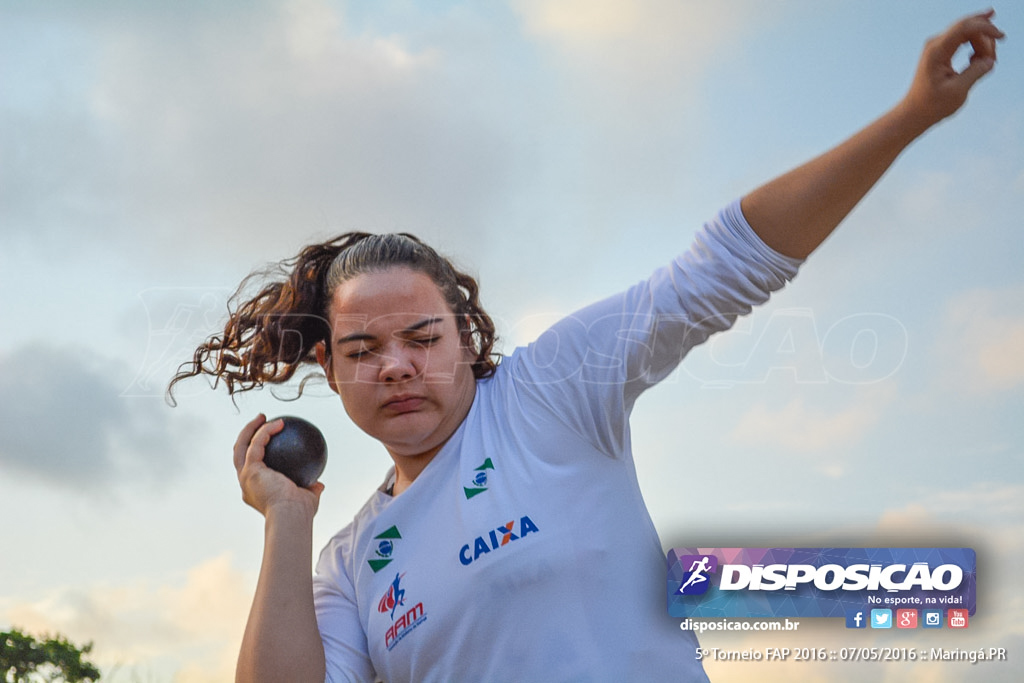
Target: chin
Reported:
[(409, 443)]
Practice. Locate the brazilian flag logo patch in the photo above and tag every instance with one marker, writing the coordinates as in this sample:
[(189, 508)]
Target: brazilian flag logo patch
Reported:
[(385, 548), (479, 482)]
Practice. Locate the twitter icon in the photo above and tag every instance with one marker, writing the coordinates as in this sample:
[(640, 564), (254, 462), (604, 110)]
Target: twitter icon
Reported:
[(881, 618)]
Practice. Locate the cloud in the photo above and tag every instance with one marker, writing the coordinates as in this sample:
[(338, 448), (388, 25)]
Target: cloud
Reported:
[(631, 77), (988, 517), (190, 627), (237, 126), (991, 503), (803, 429), (579, 22), (241, 131), (638, 39), (65, 421), (981, 338)]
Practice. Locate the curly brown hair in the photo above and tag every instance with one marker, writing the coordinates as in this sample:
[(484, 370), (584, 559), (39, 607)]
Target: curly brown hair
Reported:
[(269, 335)]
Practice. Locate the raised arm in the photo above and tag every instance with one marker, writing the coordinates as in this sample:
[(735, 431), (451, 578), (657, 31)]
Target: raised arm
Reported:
[(794, 213)]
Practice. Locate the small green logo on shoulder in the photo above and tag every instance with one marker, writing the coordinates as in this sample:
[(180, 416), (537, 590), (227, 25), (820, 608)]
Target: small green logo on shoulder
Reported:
[(479, 482), (385, 548)]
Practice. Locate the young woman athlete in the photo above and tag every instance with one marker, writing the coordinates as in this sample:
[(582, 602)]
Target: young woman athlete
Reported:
[(510, 541)]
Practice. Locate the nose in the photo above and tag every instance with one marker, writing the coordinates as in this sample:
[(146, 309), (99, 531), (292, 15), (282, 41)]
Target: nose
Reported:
[(396, 364)]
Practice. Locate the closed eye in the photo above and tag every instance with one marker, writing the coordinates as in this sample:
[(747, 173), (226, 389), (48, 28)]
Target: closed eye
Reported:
[(359, 353), (428, 341)]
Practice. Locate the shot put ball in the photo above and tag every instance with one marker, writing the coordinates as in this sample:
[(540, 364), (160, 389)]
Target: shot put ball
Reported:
[(298, 451)]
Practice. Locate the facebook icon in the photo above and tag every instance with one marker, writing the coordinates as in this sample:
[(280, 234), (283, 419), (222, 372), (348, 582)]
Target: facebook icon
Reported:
[(855, 618)]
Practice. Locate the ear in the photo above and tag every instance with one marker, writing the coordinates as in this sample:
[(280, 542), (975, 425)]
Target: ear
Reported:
[(323, 358)]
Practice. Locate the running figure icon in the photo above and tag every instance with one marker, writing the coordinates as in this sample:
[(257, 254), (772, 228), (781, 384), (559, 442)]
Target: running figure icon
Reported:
[(699, 568)]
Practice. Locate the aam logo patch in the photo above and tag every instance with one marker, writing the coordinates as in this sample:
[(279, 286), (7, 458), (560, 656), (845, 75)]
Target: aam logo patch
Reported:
[(408, 619)]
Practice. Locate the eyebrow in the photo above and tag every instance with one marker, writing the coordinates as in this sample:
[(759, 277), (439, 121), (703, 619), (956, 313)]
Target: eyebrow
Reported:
[(363, 336)]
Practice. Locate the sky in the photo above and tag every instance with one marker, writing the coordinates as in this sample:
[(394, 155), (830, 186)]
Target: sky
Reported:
[(153, 154)]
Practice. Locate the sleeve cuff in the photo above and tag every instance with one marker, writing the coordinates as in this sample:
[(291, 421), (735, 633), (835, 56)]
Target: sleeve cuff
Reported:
[(736, 222)]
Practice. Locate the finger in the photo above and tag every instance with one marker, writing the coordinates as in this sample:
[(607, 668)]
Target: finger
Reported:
[(974, 71), (244, 437), (983, 46), (258, 445), (972, 30)]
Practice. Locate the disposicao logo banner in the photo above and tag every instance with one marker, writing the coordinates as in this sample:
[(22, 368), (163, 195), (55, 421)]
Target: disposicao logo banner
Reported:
[(817, 582)]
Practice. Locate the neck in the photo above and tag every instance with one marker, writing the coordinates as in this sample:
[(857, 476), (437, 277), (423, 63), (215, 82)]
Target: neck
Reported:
[(408, 468)]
